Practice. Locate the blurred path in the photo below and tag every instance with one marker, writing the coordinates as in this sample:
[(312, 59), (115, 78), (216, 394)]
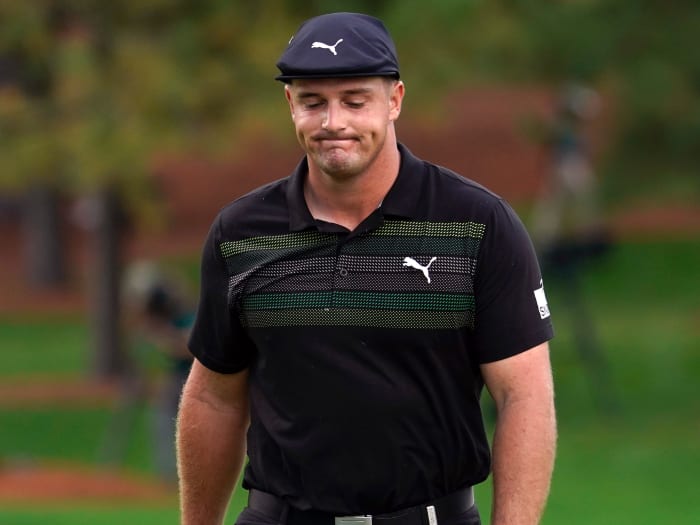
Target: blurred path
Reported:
[(63, 483)]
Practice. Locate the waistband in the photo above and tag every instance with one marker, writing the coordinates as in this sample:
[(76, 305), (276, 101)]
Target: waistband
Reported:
[(431, 513)]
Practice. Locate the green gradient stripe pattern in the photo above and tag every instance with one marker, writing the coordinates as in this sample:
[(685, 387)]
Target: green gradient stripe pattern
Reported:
[(273, 242), (316, 279)]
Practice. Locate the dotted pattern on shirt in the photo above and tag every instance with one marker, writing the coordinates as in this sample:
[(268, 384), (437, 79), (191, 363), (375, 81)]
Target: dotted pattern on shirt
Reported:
[(318, 279)]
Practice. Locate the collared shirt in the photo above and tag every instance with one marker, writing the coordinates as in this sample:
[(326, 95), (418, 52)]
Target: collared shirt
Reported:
[(364, 346)]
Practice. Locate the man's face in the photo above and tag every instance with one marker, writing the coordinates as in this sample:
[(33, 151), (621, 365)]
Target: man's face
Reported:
[(342, 124)]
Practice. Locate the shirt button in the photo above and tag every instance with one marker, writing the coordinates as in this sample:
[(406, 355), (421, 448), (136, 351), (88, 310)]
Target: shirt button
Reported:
[(343, 272)]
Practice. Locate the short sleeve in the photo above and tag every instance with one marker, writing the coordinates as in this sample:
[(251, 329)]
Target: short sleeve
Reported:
[(511, 308), (217, 340)]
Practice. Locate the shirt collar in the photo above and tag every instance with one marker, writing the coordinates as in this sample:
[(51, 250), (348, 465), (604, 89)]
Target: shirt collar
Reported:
[(404, 196), (300, 217), (401, 201)]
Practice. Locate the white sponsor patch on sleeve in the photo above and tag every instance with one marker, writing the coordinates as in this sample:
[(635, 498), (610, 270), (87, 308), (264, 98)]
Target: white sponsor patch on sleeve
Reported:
[(541, 299)]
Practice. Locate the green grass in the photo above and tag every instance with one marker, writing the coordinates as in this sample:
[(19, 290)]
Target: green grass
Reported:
[(627, 472), (90, 515), (56, 346), (73, 435), (634, 462)]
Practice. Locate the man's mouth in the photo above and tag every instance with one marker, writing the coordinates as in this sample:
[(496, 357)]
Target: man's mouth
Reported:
[(324, 137)]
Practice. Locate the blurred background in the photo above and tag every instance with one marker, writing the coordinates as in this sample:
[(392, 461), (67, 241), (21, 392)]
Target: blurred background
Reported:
[(126, 125)]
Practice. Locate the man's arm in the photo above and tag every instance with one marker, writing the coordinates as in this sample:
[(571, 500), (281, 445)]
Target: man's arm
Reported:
[(525, 438), (211, 442)]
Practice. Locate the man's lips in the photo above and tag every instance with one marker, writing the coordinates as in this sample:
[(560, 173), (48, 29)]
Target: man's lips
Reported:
[(334, 142), (332, 138)]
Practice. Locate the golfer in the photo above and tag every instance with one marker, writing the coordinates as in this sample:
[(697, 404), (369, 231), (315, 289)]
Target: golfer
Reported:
[(351, 315)]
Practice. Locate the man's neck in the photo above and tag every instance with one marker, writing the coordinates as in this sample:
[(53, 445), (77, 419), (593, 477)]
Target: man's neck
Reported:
[(350, 201)]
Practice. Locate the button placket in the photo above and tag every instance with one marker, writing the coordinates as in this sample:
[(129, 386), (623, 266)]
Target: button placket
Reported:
[(341, 272)]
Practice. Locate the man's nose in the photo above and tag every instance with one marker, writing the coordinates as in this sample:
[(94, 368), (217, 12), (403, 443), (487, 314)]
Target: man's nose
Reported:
[(333, 118)]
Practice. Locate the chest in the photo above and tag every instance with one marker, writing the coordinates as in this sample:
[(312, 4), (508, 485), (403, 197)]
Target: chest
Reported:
[(403, 274)]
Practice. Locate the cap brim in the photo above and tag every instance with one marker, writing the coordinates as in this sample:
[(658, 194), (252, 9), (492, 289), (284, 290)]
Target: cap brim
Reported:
[(289, 77)]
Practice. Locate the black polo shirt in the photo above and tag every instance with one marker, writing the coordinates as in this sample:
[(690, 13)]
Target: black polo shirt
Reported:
[(364, 347)]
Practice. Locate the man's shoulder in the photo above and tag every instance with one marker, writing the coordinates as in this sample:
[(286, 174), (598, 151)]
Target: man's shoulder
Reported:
[(454, 181), (427, 188), (445, 178), (459, 194), (272, 194)]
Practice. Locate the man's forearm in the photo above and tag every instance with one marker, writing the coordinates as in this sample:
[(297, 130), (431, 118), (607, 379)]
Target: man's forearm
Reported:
[(523, 459), (211, 452)]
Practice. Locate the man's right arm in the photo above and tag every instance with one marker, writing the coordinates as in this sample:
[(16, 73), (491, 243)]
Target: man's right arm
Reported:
[(211, 442)]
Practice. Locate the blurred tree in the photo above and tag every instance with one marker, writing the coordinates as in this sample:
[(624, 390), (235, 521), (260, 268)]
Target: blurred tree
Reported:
[(24, 86), (89, 90), (639, 53)]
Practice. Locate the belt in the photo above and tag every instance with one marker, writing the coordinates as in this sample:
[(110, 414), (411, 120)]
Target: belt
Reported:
[(427, 514)]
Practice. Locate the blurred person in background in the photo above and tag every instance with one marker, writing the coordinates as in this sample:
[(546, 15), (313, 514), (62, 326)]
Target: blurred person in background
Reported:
[(350, 316), (159, 312), (568, 226)]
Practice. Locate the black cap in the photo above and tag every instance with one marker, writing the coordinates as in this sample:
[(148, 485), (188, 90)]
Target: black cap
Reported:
[(339, 45)]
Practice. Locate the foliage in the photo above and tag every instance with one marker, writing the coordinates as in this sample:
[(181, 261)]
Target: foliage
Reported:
[(639, 54), (89, 90)]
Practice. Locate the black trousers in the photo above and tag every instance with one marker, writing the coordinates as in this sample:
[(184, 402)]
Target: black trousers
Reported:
[(251, 517)]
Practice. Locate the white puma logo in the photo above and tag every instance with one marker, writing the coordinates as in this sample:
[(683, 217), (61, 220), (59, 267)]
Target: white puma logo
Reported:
[(326, 46), (410, 261)]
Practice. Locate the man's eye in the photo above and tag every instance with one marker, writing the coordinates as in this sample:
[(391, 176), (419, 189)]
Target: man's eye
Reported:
[(355, 105), (312, 105)]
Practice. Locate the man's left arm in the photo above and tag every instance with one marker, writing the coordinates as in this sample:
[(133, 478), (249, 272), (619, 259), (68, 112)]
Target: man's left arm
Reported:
[(525, 437)]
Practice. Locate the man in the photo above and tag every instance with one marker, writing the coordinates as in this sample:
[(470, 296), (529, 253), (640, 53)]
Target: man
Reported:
[(350, 316)]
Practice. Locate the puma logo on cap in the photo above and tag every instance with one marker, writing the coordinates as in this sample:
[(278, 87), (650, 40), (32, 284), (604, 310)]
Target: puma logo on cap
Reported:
[(326, 46)]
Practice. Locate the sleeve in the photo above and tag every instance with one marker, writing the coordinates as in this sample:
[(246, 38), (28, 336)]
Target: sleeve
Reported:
[(512, 314), (217, 339)]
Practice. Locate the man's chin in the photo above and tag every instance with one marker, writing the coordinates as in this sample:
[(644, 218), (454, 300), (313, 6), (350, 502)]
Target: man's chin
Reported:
[(340, 165), (338, 171)]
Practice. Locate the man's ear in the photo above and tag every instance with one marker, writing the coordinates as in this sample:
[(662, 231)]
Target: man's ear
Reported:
[(288, 96), (396, 94)]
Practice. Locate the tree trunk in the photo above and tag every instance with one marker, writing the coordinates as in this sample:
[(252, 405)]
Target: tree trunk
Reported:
[(109, 355), (43, 238)]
